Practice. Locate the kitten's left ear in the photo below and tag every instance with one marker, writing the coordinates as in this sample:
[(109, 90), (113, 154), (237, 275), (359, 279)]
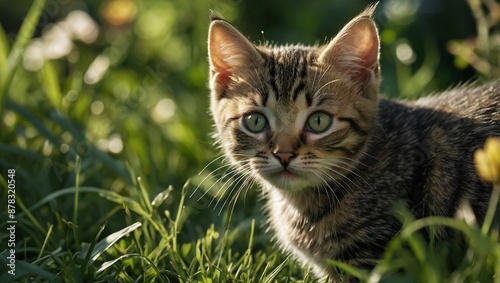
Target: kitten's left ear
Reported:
[(355, 49)]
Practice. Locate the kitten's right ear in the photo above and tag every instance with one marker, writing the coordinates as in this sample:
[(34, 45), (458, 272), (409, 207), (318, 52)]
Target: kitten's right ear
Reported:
[(228, 52)]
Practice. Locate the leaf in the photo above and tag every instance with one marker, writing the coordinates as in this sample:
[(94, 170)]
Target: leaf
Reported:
[(110, 240), (161, 197)]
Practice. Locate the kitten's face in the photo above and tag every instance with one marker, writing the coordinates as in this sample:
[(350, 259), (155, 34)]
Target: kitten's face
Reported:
[(295, 117)]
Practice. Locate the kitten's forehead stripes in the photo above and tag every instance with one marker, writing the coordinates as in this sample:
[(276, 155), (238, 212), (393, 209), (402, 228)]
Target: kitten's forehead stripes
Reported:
[(272, 75), (288, 72), (301, 82)]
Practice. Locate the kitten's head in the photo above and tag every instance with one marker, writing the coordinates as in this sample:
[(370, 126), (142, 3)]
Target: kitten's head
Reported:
[(295, 116)]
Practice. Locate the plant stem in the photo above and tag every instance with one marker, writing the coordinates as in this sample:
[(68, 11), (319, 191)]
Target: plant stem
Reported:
[(492, 207)]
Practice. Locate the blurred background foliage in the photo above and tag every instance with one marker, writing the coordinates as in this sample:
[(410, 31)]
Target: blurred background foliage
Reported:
[(123, 85)]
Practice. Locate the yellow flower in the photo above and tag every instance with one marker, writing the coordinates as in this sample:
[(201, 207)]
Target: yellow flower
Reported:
[(488, 160)]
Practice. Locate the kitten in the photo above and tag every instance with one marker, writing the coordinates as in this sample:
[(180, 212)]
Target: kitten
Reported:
[(331, 156)]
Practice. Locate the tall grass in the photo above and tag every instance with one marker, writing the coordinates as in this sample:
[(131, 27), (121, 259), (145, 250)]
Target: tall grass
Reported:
[(101, 175)]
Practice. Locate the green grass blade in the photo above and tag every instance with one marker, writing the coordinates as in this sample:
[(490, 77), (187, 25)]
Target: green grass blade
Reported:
[(4, 48), (30, 216), (272, 276), (108, 195), (24, 269), (49, 232), (107, 264), (110, 263), (177, 224), (51, 84), (30, 155), (90, 251), (25, 34), (361, 274), (35, 121), (78, 167), (110, 240), (145, 196), (107, 160)]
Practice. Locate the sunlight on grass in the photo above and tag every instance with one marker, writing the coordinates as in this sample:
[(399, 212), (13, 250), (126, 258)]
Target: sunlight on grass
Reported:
[(103, 116)]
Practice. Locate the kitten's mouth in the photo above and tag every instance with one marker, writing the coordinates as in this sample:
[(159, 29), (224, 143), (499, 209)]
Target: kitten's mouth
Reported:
[(287, 179), (284, 175)]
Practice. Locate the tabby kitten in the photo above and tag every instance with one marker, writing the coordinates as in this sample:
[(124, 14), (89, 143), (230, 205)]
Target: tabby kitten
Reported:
[(331, 156)]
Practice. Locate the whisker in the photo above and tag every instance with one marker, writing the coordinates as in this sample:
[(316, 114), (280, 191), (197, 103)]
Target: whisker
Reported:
[(326, 187), (211, 162), (225, 175), (231, 173), (209, 175), (339, 182), (234, 182), (334, 164), (212, 172), (234, 198), (231, 183)]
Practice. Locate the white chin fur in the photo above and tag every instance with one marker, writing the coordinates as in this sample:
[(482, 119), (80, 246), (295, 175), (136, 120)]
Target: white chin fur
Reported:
[(292, 181)]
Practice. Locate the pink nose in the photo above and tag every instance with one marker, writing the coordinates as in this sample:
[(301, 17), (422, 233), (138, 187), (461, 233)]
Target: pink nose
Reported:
[(284, 157)]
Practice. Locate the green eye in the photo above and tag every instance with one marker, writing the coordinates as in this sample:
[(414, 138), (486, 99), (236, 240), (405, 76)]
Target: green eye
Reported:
[(255, 122), (319, 122)]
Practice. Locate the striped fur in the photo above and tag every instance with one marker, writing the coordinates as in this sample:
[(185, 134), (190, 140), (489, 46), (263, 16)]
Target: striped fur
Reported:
[(331, 193)]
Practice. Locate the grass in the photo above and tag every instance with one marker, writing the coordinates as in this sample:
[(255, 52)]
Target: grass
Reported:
[(98, 200)]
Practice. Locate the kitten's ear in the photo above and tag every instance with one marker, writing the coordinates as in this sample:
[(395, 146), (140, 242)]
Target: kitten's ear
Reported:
[(228, 51), (355, 49)]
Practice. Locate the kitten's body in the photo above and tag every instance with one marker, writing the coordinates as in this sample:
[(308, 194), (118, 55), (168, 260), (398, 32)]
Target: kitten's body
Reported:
[(332, 158), (418, 152)]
